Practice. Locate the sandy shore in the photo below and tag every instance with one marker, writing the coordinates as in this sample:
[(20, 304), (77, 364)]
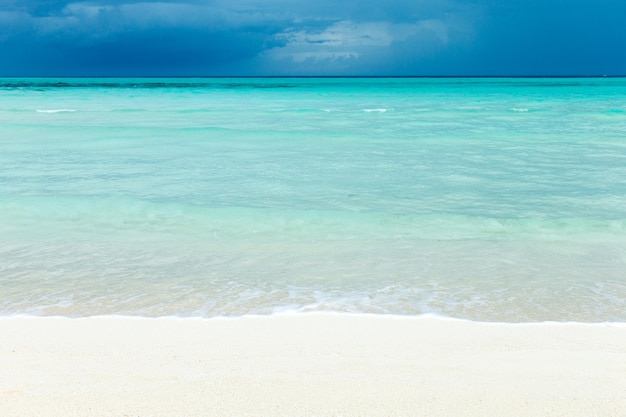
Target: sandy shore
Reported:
[(309, 365)]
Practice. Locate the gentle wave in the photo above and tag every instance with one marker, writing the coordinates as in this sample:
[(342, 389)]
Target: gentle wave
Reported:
[(128, 217)]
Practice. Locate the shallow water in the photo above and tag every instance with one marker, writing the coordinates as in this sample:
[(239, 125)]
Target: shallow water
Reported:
[(487, 199)]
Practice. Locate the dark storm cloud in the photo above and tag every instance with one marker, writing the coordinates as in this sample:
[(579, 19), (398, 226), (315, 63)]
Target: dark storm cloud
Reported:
[(116, 38), (265, 37), (553, 37)]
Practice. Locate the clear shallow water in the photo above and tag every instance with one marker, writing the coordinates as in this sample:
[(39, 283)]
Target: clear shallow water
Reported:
[(487, 199)]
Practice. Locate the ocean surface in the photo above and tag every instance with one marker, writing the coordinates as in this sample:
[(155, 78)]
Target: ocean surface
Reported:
[(484, 199)]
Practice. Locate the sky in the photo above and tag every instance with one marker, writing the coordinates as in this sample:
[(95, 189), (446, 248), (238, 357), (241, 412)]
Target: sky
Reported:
[(312, 37)]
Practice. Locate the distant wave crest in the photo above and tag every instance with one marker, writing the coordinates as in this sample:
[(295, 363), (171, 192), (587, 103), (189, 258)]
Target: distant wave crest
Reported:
[(55, 110)]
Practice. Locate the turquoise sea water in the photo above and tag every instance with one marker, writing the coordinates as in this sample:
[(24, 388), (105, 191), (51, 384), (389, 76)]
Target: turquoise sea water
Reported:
[(485, 199)]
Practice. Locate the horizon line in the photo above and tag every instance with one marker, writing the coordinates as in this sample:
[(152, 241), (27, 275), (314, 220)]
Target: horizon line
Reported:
[(315, 76)]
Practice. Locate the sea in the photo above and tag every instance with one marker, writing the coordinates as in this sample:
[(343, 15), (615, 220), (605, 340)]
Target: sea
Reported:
[(486, 199)]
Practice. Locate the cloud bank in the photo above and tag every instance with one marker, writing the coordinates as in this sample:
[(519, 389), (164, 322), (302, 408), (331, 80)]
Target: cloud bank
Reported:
[(312, 37)]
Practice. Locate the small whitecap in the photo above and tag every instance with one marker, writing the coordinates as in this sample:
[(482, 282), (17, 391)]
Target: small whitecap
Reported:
[(521, 110), (55, 110), (375, 110)]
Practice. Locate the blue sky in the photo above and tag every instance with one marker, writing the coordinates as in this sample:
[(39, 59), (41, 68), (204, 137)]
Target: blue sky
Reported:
[(313, 37)]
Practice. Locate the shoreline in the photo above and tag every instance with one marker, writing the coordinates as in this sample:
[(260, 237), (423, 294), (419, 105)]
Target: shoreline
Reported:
[(314, 313), (314, 364)]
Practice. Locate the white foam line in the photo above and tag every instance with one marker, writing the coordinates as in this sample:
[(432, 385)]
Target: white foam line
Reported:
[(294, 314)]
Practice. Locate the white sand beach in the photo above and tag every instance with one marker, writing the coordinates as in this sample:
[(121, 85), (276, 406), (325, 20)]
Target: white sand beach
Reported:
[(309, 365)]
